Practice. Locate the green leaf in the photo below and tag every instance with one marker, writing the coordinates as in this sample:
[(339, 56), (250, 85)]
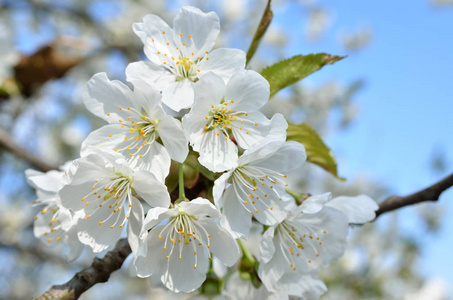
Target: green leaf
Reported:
[(317, 152), (291, 70)]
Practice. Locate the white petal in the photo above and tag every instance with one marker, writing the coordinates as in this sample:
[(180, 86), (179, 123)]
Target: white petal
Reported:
[(200, 207), (313, 204), (150, 189), (223, 246), (156, 215), (109, 136), (152, 36), (252, 131), (75, 246), (135, 223), (103, 97), (155, 259), (224, 62), (236, 217), (249, 90), (358, 210), (181, 276), (302, 285), (203, 27), (156, 76), (178, 95), (216, 153), (155, 159), (208, 91), (277, 128), (219, 187), (273, 270), (148, 98), (50, 181), (173, 137), (331, 227), (100, 237), (289, 156), (260, 152), (267, 247), (273, 211)]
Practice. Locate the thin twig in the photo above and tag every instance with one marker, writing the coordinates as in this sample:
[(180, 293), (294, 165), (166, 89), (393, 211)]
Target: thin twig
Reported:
[(98, 272), (430, 193), (8, 143), (260, 31)]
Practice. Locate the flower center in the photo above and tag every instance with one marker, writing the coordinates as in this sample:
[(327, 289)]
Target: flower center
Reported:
[(183, 230), (179, 56), (298, 247), (142, 129), (258, 186), (224, 119), (50, 214), (111, 191)]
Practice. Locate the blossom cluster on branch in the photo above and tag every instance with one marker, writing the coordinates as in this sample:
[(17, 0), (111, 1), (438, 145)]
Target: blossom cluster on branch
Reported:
[(186, 99)]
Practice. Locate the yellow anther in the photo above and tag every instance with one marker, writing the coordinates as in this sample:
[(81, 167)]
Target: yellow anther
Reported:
[(120, 108), (108, 115), (163, 32), (218, 133), (100, 223), (190, 36), (88, 217)]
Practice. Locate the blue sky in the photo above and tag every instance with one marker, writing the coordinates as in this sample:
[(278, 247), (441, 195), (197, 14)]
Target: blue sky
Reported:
[(405, 108)]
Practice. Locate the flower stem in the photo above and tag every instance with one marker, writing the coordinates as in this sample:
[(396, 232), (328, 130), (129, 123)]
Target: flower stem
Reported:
[(246, 252), (182, 195)]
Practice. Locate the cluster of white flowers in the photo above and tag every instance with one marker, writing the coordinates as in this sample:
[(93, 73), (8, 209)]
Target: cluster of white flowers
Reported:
[(185, 94)]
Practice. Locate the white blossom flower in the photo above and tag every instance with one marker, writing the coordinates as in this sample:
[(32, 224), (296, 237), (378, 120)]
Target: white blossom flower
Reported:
[(178, 246), (257, 186), (311, 235), (102, 186), (54, 224), (223, 112), (136, 123), (179, 57)]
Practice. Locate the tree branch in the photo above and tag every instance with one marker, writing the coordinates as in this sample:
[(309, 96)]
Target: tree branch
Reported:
[(260, 31), (7, 142), (99, 271), (430, 193)]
